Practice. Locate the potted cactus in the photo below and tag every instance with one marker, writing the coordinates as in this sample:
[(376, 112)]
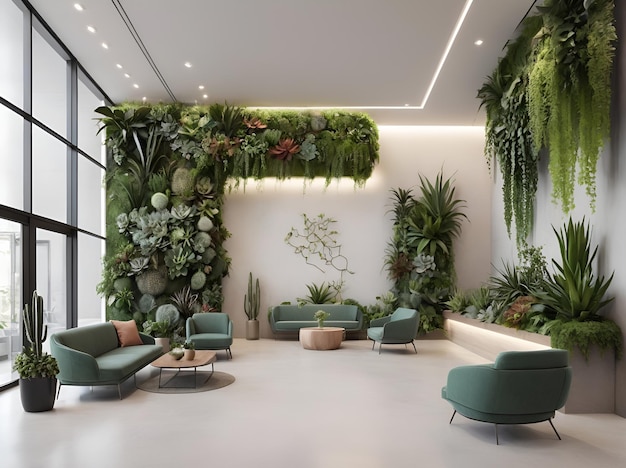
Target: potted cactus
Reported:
[(37, 369), (251, 304)]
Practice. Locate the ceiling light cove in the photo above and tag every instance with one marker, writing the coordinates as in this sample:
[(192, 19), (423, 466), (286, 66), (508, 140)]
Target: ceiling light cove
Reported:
[(442, 61)]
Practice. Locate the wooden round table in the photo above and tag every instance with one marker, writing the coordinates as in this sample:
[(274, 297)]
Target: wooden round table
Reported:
[(321, 338)]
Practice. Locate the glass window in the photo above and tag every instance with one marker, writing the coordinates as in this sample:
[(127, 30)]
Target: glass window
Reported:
[(88, 139), (50, 78), (10, 297), (12, 53), (52, 279), (50, 181), (91, 196), (12, 144), (90, 305)]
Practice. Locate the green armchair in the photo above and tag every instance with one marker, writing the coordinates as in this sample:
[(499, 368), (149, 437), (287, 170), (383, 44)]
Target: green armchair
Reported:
[(397, 328), (520, 387), (210, 330)]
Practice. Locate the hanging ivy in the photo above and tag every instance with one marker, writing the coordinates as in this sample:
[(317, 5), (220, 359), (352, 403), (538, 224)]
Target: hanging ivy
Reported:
[(570, 91), (552, 89), (508, 136)]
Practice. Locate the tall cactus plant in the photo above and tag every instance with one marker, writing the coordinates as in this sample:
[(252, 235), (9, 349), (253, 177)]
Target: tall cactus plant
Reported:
[(36, 331), (251, 301)]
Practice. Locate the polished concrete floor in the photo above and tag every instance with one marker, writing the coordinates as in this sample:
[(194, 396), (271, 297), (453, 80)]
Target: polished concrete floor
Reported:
[(296, 408)]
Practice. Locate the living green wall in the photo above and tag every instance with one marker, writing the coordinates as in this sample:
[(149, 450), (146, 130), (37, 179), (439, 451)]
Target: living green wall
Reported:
[(168, 170)]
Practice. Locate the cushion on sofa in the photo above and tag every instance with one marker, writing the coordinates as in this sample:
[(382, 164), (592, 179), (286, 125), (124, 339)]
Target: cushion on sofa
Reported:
[(127, 333)]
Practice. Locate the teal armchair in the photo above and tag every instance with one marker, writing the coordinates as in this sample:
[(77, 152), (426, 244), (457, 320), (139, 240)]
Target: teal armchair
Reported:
[(397, 328), (210, 330), (520, 387)]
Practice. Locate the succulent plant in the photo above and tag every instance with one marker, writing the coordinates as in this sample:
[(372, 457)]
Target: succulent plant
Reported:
[(251, 301), (254, 123), (182, 181), (168, 313), (137, 265), (205, 224), (202, 241), (198, 280), (285, 149), (159, 201), (318, 123), (208, 255), (178, 260), (182, 212), (185, 301), (152, 281), (308, 150), (204, 186)]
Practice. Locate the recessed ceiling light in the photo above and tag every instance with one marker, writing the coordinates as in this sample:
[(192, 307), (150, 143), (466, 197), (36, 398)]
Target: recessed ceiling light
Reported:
[(91, 29), (144, 99), (201, 87), (205, 96), (78, 6), (105, 45), (407, 105), (188, 64), (135, 85), (119, 66), (478, 42), (126, 75)]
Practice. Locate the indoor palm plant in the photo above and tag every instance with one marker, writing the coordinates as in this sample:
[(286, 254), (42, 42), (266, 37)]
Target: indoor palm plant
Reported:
[(37, 369)]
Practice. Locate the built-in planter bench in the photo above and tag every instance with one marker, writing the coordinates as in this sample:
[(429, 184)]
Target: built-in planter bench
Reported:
[(593, 380)]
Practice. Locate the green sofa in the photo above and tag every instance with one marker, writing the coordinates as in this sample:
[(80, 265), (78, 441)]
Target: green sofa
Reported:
[(91, 355), (291, 318), (520, 387)]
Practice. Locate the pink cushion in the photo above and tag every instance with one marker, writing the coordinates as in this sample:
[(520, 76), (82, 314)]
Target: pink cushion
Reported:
[(127, 333)]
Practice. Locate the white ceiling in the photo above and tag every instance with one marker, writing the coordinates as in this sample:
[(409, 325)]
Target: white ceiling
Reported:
[(293, 53)]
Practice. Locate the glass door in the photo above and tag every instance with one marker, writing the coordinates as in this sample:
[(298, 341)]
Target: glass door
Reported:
[(10, 297)]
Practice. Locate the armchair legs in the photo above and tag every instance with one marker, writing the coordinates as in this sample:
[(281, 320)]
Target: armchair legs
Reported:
[(380, 346), (496, 427)]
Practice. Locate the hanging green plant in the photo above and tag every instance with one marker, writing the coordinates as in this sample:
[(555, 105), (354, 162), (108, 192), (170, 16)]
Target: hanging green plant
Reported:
[(570, 91), (508, 135)]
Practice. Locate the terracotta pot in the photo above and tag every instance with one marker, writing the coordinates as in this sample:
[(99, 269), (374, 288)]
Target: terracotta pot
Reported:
[(190, 354)]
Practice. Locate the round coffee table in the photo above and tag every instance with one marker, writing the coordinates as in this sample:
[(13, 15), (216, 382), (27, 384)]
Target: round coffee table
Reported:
[(166, 361), (321, 339)]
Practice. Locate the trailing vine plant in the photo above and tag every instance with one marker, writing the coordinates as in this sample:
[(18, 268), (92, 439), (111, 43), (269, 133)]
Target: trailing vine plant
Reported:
[(570, 91), (318, 245), (552, 90), (508, 133)]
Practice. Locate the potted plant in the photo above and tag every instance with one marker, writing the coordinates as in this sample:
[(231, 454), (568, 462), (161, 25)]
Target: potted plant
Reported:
[(37, 369), (161, 331), (190, 350), (320, 316), (251, 304)]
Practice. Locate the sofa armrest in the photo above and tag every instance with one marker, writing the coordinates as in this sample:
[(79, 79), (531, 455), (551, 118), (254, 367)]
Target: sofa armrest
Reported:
[(473, 386), (74, 365), (146, 339)]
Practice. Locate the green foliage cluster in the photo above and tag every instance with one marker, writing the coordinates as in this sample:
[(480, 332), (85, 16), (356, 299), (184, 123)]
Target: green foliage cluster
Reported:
[(166, 180), (552, 89), (565, 304), (419, 258)]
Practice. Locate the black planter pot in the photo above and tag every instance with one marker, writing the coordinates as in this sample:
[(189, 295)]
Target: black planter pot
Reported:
[(38, 393)]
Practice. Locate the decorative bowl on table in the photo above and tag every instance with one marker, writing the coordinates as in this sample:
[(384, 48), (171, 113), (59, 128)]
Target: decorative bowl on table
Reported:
[(177, 353)]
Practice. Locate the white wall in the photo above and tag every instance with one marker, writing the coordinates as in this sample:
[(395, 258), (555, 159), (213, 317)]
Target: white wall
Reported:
[(608, 223), (259, 219)]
